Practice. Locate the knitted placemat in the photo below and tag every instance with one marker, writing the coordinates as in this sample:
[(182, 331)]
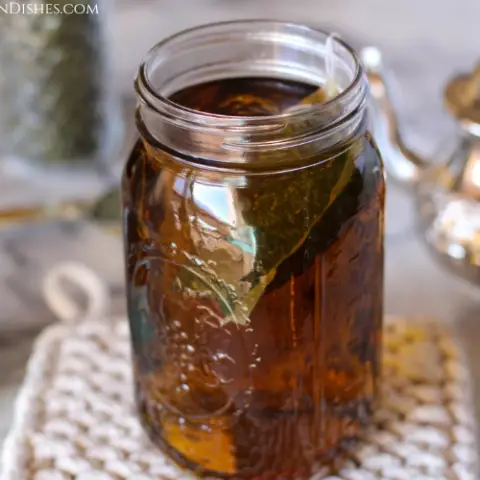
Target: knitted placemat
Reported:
[(76, 419)]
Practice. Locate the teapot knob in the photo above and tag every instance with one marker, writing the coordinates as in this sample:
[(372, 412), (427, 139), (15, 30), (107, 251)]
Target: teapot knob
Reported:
[(462, 100)]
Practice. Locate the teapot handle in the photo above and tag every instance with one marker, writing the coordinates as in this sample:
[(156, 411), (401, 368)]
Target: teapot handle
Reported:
[(401, 163)]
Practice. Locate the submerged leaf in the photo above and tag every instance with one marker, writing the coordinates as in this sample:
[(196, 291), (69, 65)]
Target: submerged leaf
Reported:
[(284, 210)]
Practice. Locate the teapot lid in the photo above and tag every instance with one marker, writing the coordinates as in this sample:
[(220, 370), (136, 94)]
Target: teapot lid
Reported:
[(462, 99)]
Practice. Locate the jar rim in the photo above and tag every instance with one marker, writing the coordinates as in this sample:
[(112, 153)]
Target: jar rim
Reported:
[(144, 78), (158, 112)]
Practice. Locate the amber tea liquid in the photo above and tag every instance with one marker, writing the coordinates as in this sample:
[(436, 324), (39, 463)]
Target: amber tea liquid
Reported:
[(274, 396)]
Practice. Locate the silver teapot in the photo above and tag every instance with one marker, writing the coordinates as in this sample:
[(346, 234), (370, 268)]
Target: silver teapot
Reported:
[(447, 194)]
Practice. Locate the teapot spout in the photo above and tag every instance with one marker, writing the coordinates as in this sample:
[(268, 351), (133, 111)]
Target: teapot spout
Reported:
[(401, 163)]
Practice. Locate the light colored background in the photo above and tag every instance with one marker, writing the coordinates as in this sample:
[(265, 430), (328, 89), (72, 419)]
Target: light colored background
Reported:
[(424, 42)]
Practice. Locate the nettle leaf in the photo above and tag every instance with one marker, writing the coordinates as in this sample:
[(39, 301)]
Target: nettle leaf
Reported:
[(284, 210)]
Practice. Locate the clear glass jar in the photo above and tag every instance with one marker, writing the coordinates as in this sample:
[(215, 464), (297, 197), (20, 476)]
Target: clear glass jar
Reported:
[(254, 251)]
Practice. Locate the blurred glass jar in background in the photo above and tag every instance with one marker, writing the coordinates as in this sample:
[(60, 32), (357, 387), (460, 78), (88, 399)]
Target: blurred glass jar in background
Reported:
[(60, 109), (254, 250)]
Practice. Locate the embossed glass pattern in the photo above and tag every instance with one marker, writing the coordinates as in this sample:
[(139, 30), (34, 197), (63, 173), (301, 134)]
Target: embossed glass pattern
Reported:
[(254, 251)]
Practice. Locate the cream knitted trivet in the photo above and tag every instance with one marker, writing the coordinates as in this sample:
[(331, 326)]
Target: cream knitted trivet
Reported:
[(75, 416)]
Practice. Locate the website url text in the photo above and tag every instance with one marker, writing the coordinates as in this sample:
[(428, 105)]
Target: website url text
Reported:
[(14, 8)]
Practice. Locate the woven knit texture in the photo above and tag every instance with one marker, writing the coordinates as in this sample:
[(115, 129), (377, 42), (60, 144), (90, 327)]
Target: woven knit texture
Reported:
[(76, 419)]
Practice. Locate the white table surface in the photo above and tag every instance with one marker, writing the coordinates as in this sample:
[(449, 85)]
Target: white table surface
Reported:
[(424, 42)]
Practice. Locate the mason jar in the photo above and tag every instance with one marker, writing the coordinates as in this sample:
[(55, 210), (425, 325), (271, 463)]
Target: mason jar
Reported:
[(253, 228)]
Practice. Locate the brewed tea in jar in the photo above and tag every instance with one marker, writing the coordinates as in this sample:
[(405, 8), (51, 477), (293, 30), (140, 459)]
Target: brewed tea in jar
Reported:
[(253, 226)]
